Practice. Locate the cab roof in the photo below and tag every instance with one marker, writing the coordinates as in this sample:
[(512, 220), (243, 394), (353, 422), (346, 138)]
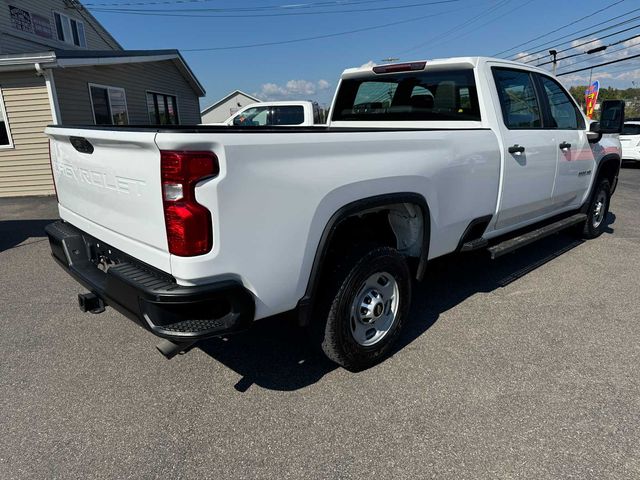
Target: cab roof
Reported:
[(453, 61)]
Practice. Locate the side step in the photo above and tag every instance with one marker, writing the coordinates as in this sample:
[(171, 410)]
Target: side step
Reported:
[(474, 245), (512, 244)]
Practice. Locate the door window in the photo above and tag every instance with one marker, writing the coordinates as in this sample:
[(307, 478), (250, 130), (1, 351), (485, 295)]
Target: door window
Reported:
[(563, 111), (517, 93), (253, 117), (287, 115), (631, 129)]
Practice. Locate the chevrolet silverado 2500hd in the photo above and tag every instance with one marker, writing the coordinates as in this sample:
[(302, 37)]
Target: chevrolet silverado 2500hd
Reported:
[(198, 231)]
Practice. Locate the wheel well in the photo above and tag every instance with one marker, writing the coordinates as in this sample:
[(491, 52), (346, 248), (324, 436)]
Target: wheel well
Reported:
[(401, 221), (397, 225), (609, 169)]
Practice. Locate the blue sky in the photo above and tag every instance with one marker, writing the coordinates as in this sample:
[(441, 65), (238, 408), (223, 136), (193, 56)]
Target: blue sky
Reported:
[(310, 69)]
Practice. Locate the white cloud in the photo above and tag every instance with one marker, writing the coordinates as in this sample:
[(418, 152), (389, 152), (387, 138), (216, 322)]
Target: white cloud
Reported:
[(293, 89), (369, 64)]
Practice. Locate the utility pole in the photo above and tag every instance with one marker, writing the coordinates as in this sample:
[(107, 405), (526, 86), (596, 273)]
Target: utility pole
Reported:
[(554, 53)]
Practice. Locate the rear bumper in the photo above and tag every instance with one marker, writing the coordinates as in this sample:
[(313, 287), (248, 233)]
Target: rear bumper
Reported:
[(148, 296)]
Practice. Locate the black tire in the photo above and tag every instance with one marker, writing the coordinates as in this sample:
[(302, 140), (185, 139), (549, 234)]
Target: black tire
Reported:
[(332, 327), (597, 214)]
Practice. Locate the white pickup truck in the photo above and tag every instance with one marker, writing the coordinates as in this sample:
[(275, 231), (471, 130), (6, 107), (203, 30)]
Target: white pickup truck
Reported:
[(198, 231), (285, 113)]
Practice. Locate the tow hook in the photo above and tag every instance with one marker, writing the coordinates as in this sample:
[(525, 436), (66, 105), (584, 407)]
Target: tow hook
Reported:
[(170, 349), (90, 302)]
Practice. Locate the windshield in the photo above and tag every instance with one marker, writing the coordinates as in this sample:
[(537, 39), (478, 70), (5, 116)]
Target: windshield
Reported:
[(439, 95)]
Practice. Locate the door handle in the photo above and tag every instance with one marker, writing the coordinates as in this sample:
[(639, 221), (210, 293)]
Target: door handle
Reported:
[(565, 146), (516, 149)]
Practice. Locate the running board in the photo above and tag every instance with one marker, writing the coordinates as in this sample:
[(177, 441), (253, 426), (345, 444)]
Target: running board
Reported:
[(512, 244)]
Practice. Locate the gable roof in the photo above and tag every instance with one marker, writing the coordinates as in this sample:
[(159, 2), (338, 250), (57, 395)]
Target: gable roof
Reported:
[(227, 97), (88, 17), (87, 58)]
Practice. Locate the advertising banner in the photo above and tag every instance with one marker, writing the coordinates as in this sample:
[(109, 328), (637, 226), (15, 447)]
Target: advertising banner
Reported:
[(591, 97)]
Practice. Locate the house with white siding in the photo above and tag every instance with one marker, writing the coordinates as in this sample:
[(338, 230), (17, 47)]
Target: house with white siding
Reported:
[(227, 106), (59, 65)]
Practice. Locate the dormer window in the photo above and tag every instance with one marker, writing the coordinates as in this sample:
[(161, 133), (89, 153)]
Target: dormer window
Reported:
[(70, 30)]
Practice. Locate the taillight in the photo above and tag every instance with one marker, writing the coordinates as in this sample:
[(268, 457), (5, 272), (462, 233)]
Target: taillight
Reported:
[(189, 228), (53, 177)]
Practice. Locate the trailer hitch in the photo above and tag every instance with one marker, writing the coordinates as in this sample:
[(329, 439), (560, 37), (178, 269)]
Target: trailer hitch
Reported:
[(90, 302), (170, 349)]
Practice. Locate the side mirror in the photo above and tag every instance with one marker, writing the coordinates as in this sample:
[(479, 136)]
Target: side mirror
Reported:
[(237, 120), (594, 135), (611, 116)]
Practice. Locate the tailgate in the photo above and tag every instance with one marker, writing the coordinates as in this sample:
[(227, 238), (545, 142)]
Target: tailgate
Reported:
[(108, 184)]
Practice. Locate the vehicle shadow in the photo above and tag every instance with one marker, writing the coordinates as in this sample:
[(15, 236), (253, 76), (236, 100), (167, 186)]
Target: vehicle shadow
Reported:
[(15, 232), (275, 353)]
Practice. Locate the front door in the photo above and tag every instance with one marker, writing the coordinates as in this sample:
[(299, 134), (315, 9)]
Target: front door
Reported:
[(576, 163), (530, 151)]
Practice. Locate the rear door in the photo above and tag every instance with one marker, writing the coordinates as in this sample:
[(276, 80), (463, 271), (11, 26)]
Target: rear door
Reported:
[(530, 151), (576, 163)]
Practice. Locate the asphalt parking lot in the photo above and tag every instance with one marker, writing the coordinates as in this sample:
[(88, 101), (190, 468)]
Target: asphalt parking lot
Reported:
[(525, 367)]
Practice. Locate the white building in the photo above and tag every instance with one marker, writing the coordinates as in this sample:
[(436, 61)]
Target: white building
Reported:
[(227, 106)]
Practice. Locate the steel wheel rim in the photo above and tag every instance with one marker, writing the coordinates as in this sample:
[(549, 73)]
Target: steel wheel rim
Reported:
[(374, 309), (599, 209)]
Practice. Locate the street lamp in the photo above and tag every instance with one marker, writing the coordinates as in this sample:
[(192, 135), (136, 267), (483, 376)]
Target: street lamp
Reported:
[(554, 53), (602, 48)]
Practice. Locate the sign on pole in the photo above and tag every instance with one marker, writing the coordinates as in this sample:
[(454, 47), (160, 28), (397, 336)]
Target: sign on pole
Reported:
[(591, 96)]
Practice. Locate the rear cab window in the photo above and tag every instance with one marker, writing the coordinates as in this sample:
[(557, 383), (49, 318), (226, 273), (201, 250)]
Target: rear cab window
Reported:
[(441, 95)]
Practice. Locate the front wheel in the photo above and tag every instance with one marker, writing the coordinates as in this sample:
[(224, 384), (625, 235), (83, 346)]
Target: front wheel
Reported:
[(597, 210), (363, 305)]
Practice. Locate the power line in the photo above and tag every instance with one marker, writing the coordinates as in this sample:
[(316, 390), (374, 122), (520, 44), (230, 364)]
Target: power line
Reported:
[(316, 37), (494, 19), (170, 13), (603, 54), (583, 36), (456, 28), (600, 65), (183, 2), (559, 28), (91, 22), (596, 40)]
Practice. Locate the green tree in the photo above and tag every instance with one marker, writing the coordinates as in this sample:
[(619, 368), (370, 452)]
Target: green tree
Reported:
[(631, 96)]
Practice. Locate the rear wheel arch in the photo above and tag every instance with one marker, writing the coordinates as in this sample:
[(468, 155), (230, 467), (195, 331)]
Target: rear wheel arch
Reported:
[(338, 225)]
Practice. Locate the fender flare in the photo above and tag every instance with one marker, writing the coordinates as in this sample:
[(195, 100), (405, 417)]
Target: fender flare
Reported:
[(611, 157), (305, 304)]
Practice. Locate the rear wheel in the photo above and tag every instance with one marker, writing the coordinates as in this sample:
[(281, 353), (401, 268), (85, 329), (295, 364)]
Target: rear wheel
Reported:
[(363, 305), (597, 210)]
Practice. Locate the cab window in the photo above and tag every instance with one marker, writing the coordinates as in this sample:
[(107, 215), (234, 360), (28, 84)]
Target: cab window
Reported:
[(287, 115), (518, 100), (448, 95), (253, 117), (564, 113), (631, 129)]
